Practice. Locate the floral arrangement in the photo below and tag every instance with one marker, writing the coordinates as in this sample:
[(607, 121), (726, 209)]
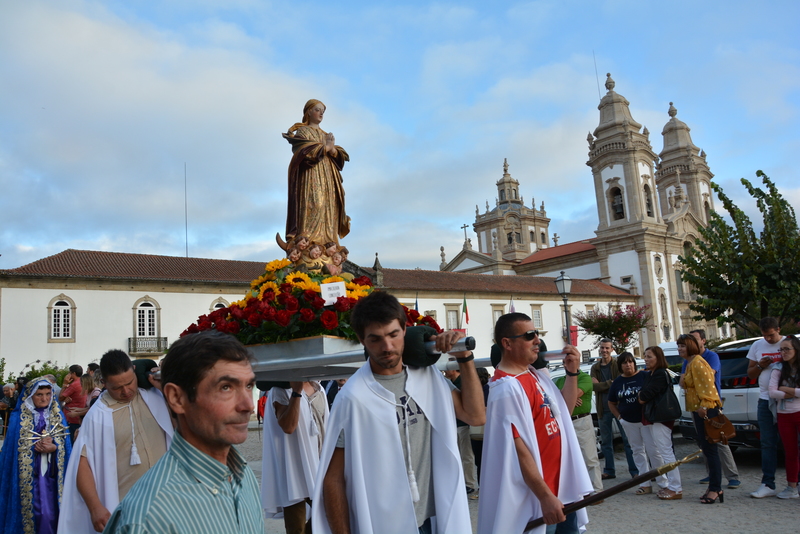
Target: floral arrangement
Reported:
[(284, 304), (619, 324)]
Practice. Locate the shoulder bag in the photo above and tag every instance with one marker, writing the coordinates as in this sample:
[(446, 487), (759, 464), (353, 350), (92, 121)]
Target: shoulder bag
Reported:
[(665, 407), (719, 429)]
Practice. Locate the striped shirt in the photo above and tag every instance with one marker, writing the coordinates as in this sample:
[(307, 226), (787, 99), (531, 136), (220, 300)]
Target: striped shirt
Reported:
[(189, 491)]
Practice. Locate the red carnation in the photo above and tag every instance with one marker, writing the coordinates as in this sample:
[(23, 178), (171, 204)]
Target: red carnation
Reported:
[(268, 312), (282, 317), (286, 287), (233, 327), (204, 324), (236, 312), (363, 281), (218, 315), (329, 319), (309, 295), (307, 315), (268, 296), (254, 320), (191, 330), (318, 303)]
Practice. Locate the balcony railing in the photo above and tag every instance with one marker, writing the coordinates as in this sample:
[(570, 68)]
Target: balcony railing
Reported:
[(147, 345)]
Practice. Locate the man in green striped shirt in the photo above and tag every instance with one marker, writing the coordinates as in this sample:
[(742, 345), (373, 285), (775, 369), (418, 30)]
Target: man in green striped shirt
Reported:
[(202, 484)]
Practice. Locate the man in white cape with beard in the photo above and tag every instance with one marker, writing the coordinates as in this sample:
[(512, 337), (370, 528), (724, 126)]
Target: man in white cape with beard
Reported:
[(532, 461), (97, 436), (390, 461), (294, 429)]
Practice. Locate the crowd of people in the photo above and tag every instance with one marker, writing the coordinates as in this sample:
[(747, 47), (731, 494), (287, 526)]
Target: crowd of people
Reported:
[(131, 446)]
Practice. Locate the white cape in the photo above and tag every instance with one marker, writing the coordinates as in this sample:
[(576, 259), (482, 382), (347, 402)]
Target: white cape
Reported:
[(507, 504), (289, 461), (97, 434), (378, 492)]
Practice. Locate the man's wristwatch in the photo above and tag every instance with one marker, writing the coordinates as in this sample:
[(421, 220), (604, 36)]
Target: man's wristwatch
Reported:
[(572, 374), (466, 359), (296, 394)]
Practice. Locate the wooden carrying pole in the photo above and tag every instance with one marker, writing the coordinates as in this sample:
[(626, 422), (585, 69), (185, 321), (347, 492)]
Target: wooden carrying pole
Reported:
[(591, 499)]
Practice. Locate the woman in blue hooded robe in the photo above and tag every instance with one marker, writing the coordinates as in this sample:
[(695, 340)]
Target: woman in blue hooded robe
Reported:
[(32, 463)]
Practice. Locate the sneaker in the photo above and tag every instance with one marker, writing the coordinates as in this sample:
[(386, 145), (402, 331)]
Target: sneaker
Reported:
[(705, 480), (732, 484), (789, 493), (763, 491)]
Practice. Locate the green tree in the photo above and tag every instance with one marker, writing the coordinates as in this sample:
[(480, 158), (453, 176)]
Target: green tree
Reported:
[(2, 371), (48, 367), (739, 276), (619, 324)]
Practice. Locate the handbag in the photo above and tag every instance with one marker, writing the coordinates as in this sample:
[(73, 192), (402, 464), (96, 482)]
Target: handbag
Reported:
[(665, 407), (719, 429)]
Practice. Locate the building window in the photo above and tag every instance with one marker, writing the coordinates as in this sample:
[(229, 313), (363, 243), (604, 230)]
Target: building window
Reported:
[(453, 314), (590, 311), (218, 304), (146, 320), (61, 320), (533, 237), (498, 310), (536, 317), (502, 195), (544, 239), (648, 201), (146, 338)]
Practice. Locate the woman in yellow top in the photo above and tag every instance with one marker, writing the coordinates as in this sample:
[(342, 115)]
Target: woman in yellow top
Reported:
[(703, 401)]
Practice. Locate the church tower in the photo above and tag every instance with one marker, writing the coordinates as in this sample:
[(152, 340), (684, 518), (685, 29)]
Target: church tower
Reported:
[(683, 174), (511, 231), (622, 162)]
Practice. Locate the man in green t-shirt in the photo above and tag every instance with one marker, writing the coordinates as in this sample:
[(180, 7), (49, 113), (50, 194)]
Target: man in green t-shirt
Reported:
[(584, 429)]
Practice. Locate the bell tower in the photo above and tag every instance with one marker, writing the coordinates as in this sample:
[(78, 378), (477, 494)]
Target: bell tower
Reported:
[(683, 174), (622, 162)]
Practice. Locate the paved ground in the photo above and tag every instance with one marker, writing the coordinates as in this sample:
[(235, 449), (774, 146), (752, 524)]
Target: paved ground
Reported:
[(627, 512)]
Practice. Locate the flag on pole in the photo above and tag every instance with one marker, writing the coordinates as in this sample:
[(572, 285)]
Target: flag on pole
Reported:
[(465, 311), (416, 303), (511, 308)]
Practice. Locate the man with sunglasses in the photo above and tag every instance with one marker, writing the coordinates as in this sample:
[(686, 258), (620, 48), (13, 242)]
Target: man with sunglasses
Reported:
[(532, 462)]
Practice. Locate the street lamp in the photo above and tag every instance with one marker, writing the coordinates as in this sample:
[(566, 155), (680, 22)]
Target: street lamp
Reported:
[(564, 286)]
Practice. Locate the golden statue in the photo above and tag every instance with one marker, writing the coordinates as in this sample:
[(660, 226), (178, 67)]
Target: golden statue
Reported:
[(316, 195)]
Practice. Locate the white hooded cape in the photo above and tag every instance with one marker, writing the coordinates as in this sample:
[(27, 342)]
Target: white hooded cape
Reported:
[(378, 492), (97, 434), (290, 461), (507, 504)]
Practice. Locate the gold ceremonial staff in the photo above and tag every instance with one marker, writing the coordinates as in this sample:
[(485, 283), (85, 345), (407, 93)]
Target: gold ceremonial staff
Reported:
[(586, 501), (57, 430)]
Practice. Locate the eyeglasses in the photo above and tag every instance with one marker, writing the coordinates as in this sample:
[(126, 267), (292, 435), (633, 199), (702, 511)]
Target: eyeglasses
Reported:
[(786, 349), (530, 335)]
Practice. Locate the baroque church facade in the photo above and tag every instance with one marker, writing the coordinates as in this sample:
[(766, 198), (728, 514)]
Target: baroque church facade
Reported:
[(649, 206)]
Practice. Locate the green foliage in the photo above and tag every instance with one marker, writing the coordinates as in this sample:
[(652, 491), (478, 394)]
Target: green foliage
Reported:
[(619, 324), (2, 370), (741, 277), (48, 367)]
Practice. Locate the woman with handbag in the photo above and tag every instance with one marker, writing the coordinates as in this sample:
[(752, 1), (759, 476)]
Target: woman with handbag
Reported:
[(623, 402), (660, 406), (703, 401), (784, 385)]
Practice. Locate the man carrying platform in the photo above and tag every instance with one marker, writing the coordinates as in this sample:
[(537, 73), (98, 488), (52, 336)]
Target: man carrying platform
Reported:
[(390, 461)]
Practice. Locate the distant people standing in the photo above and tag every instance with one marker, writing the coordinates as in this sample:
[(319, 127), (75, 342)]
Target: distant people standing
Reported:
[(762, 355), (72, 396), (464, 442), (784, 386), (603, 374)]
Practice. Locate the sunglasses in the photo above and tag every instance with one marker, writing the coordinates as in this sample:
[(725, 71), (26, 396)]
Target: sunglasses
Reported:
[(530, 335)]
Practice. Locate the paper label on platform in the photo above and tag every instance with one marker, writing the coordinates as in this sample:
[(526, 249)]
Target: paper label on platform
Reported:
[(332, 291)]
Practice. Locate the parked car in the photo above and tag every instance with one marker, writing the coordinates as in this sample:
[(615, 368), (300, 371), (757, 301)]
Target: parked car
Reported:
[(739, 395)]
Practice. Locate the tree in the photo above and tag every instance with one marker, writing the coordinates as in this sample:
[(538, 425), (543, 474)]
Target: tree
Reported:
[(620, 325), (741, 277)]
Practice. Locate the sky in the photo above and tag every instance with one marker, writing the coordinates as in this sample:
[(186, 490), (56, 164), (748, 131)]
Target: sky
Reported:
[(107, 110)]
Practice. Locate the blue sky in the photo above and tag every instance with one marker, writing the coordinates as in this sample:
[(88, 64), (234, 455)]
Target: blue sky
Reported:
[(102, 103)]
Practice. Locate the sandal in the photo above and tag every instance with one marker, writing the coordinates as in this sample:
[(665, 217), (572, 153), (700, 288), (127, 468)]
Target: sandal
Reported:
[(643, 490), (705, 499), (669, 495)]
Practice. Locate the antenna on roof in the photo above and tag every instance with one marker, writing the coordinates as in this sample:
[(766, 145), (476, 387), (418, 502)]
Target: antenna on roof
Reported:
[(186, 209), (596, 76)]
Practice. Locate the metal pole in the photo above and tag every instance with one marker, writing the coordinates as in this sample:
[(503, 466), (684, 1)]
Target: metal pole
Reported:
[(566, 318)]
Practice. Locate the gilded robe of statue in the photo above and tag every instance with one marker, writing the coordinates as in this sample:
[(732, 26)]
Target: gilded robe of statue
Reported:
[(316, 195)]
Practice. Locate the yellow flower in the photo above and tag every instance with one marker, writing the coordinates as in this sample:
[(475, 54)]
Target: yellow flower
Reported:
[(275, 265), (332, 279), (310, 285), (258, 281), (266, 287), (239, 304), (356, 287), (357, 294), (296, 278)]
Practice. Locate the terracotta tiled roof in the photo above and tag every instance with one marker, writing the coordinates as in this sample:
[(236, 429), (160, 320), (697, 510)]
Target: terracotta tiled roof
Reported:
[(559, 251), (402, 279), (115, 265)]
